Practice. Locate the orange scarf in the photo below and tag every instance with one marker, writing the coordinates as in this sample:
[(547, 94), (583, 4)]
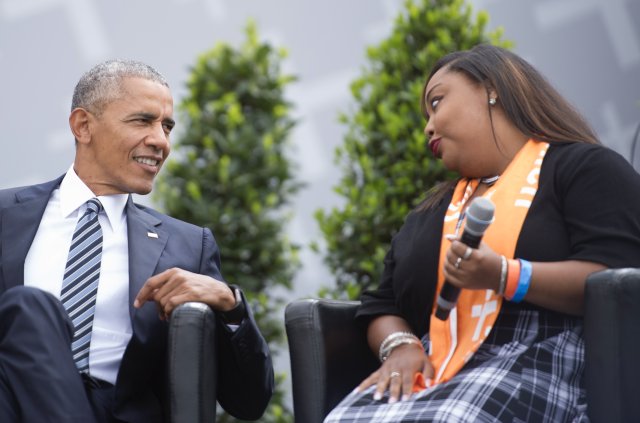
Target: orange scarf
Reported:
[(454, 341)]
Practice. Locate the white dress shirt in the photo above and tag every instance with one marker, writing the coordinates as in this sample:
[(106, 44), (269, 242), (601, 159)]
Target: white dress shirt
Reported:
[(47, 258)]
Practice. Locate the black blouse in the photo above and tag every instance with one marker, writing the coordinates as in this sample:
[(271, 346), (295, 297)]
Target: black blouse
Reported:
[(587, 208)]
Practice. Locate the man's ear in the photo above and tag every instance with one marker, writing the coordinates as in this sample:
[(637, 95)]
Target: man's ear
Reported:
[(79, 123)]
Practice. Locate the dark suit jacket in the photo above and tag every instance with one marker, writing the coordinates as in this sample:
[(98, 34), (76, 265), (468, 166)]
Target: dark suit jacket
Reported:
[(245, 376)]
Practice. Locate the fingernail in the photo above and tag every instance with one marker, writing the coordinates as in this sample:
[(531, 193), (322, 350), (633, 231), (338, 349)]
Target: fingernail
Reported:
[(392, 400), (136, 303), (377, 396), (450, 237), (405, 397), (357, 390), (427, 382)]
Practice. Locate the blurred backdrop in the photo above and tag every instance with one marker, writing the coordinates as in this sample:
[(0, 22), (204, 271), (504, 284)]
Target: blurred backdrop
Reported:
[(588, 49)]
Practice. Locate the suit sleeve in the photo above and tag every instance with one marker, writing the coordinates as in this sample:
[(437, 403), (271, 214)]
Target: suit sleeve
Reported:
[(245, 371)]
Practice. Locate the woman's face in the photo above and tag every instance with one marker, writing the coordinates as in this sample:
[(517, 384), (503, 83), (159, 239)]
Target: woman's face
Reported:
[(459, 126)]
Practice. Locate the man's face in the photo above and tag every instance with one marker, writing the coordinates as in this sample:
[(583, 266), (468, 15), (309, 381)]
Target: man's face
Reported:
[(130, 140)]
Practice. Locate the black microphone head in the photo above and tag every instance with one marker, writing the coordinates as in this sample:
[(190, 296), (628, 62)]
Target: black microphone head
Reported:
[(479, 215)]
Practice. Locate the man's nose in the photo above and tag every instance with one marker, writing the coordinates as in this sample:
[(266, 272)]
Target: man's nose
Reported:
[(157, 139)]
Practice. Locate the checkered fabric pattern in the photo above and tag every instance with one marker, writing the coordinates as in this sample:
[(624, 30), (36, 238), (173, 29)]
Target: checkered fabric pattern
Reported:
[(530, 369)]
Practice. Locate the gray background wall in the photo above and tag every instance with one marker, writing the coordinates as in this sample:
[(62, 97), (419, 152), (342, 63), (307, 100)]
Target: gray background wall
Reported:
[(589, 50)]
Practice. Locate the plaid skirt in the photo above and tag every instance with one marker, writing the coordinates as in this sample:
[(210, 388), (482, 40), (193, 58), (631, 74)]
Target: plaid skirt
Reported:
[(529, 369)]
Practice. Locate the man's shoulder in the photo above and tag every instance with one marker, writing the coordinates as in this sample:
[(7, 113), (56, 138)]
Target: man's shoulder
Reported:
[(8, 195), (169, 222), (11, 196)]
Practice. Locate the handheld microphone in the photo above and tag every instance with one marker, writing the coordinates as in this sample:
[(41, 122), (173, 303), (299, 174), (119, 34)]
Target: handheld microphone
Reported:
[(479, 217)]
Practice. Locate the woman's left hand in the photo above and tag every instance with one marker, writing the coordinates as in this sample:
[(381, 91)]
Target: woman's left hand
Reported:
[(480, 271)]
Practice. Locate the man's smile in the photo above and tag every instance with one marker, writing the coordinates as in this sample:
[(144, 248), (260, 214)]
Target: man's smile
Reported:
[(149, 163)]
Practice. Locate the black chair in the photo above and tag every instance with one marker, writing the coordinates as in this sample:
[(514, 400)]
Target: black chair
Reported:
[(330, 355), (612, 339), (192, 367)]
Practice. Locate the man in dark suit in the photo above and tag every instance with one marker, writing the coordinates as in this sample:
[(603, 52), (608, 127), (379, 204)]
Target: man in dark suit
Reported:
[(88, 279)]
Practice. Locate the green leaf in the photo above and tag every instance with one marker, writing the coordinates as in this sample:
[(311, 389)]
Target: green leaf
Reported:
[(223, 168), (194, 190)]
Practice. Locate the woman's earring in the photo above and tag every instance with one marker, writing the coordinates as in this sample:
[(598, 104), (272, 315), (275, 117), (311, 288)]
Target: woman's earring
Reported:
[(492, 101)]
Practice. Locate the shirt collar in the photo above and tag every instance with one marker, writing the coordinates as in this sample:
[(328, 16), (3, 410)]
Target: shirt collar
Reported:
[(74, 193)]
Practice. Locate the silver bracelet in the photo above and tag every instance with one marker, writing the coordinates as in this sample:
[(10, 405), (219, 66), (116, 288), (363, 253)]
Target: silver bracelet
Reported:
[(503, 276), (402, 341), (391, 337), (387, 350)]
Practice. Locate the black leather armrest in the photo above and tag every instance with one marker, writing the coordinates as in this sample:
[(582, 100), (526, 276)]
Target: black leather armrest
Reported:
[(612, 345), (330, 355), (192, 365)]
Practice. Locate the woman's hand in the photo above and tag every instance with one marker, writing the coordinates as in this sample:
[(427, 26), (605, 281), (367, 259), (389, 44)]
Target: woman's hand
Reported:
[(407, 359), (480, 271), (558, 286)]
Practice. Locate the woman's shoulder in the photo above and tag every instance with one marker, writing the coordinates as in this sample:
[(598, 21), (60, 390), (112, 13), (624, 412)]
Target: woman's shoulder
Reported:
[(569, 160), (589, 170), (420, 212), (421, 217), (570, 150)]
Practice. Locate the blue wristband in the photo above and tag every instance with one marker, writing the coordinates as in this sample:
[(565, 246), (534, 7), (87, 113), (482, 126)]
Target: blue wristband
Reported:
[(523, 282)]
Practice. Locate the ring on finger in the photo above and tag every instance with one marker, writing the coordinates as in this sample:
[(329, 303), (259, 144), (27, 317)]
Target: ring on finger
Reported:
[(467, 253), (394, 374), (457, 265)]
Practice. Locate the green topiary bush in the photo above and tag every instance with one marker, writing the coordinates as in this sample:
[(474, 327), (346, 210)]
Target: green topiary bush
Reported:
[(233, 177), (387, 164)]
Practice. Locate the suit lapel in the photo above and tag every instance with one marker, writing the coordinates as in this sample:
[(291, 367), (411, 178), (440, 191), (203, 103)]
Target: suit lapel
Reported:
[(20, 223), (144, 251)]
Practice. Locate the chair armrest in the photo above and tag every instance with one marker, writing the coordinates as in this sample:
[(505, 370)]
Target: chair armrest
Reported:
[(330, 355), (192, 369), (612, 345)]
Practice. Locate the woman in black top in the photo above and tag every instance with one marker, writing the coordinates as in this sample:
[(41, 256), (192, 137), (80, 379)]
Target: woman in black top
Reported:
[(483, 106)]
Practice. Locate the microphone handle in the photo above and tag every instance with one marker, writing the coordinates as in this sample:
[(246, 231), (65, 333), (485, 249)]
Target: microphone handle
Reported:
[(450, 293), (472, 241)]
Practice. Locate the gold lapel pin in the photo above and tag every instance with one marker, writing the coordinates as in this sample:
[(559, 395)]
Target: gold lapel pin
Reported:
[(152, 235)]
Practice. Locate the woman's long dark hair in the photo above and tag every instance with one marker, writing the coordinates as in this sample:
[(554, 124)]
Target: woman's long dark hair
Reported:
[(527, 98)]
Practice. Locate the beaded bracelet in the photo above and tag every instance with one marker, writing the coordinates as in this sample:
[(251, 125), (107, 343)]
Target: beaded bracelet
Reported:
[(402, 341), (523, 281), (391, 337), (513, 275)]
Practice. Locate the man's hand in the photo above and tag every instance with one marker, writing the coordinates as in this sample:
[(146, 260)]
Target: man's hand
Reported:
[(175, 286)]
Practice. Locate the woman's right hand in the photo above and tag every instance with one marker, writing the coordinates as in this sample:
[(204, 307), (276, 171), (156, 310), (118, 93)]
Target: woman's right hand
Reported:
[(407, 359)]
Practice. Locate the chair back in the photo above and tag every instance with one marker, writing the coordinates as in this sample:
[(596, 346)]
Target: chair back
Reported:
[(192, 366), (330, 355)]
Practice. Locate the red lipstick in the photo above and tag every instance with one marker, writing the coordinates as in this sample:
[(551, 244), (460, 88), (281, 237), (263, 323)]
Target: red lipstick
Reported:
[(433, 145)]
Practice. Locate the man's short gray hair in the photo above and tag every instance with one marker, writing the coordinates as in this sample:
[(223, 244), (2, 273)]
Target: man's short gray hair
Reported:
[(101, 84)]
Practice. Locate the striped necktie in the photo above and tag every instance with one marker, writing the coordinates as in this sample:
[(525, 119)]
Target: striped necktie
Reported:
[(81, 277)]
